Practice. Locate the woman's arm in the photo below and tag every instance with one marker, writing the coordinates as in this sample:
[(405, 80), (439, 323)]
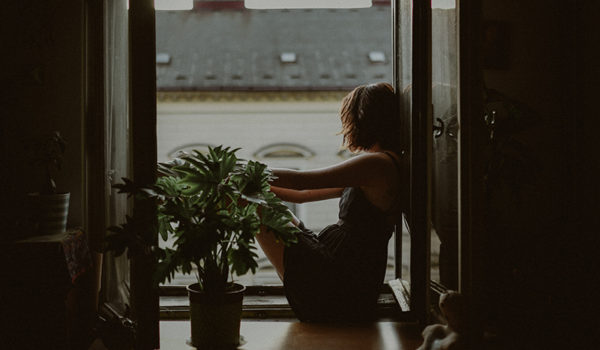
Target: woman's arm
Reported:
[(303, 196), (371, 169)]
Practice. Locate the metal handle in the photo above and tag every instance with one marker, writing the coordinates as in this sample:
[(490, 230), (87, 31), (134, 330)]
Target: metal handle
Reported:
[(438, 130)]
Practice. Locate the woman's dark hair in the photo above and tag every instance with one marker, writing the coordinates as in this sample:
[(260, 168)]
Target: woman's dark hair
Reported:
[(369, 115)]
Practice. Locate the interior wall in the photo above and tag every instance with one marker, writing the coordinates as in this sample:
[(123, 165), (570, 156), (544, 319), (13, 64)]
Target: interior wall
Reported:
[(585, 175), (537, 146), (552, 68), (585, 82), (539, 53), (41, 91), (539, 67)]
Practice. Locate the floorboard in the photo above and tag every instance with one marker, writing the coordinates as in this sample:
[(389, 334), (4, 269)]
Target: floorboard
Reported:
[(294, 335)]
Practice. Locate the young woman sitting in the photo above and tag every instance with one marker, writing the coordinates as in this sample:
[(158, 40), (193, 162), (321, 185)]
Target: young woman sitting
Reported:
[(336, 275)]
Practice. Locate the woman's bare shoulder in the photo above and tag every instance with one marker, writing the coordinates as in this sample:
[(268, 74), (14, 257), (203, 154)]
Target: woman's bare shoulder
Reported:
[(377, 165), (384, 158), (371, 158)]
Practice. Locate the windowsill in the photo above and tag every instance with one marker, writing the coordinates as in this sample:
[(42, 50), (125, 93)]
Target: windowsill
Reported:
[(264, 307), (269, 302), (293, 335)]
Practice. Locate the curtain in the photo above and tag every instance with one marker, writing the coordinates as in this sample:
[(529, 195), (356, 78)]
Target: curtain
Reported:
[(115, 279)]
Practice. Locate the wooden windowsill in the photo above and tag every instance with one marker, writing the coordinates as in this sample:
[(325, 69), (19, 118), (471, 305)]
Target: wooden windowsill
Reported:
[(273, 306), (289, 334)]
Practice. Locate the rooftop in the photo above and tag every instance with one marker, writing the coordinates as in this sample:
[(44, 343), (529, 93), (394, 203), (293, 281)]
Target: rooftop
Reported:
[(233, 48)]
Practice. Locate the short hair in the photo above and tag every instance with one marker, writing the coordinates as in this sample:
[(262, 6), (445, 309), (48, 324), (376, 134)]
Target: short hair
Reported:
[(369, 116)]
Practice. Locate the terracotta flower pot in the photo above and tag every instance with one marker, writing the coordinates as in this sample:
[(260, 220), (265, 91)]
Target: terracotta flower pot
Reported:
[(215, 319)]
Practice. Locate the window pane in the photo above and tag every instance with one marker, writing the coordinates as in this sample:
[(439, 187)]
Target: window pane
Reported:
[(444, 63), (116, 269), (403, 76), (270, 82)]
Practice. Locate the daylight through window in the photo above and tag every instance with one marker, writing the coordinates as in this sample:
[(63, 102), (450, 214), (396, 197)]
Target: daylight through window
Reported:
[(270, 82)]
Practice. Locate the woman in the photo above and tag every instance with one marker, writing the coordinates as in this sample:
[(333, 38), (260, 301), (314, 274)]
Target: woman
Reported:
[(336, 275)]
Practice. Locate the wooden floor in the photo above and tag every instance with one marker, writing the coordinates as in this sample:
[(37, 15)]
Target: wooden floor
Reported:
[(294, 335)]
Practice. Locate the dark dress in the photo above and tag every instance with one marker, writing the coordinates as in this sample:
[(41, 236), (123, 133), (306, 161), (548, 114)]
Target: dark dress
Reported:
[(337, 275)]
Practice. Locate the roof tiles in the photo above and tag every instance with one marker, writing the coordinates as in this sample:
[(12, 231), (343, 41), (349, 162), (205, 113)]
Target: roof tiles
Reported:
[(249, 49)]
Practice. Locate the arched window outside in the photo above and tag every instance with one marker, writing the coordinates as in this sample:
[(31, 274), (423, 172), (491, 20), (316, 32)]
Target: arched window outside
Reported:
[(189, 148), (345, 154), (284, 150)]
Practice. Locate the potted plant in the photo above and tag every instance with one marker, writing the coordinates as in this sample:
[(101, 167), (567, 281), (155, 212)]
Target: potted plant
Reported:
[(210, 206), (49, 208)]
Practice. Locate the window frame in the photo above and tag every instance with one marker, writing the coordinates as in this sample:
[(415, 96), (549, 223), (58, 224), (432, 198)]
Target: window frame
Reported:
[(417, 131), (471, 162), (142, 65), (143, 116)]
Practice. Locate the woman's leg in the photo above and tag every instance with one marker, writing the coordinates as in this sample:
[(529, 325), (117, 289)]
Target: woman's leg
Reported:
[(273, 248)]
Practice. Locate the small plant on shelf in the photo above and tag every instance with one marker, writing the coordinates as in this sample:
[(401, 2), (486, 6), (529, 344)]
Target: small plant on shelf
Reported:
[(47, 153), (48, 209)]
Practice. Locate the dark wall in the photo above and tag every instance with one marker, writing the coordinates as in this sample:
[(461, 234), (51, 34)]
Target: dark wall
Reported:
[(535, 71), (540, 263), (539, 52), (586, 85), (40, 91), (585, 230)]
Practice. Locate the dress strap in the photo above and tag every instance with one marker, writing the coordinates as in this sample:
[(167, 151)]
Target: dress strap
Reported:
[(398, 167)]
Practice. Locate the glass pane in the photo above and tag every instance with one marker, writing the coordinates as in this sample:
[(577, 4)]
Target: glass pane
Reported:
[(444, 64), (270, 82), (404, 35), (116, 269)]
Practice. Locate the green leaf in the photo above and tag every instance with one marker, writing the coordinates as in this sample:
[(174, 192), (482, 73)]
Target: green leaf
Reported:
[(207, 204), (127, 186), (243, 259), (164, 226)]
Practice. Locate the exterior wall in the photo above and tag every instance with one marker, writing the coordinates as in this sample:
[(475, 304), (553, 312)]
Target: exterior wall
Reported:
[(251, 122)]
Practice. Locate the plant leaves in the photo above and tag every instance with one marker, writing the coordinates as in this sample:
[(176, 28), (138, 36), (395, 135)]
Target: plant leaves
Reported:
[(207, 205)]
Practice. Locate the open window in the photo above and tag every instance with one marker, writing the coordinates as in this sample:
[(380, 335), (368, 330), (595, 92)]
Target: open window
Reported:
[(444, 159), (314, 95), (274, 91)]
